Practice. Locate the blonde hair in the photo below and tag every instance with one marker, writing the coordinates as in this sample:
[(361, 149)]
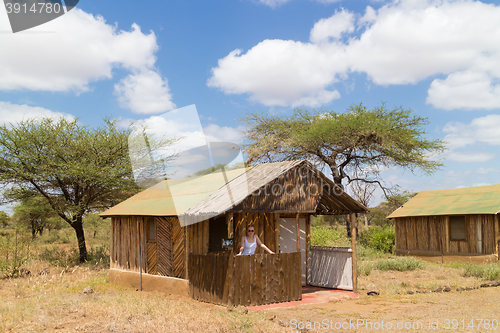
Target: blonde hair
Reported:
[(250, 226)]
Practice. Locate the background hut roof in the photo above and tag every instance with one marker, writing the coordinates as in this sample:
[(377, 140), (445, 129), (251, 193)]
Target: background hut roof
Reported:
[(461, 201), (209, 195)]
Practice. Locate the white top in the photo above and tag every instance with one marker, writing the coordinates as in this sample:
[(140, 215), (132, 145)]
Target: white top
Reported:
[(249, 248)]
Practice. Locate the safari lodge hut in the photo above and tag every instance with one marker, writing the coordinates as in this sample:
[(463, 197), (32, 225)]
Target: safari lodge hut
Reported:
[(182, 237), (457, 225)]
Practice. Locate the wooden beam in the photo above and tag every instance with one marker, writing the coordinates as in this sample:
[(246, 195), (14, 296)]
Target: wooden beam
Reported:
[(446, 234), (308, 245), (186, 252), (353, 223), (497, 233), (298, 231), (277, 231), (230, 227)]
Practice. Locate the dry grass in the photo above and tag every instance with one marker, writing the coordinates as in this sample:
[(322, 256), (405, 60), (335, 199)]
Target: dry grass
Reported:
[(55, 302)]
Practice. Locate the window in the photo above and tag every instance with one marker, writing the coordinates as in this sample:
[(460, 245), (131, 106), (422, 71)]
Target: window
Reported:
[(151, 229), (217, 229), (457, 228)]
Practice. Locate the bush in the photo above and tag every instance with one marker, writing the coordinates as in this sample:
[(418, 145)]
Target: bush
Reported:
[(487, 272), (60, 257), (378, 238), (14, 252), (401, 264), (365, 267), (99, 256), (329, 236)]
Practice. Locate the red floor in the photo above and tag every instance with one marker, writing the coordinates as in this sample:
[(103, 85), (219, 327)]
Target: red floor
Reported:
[(310, 295)]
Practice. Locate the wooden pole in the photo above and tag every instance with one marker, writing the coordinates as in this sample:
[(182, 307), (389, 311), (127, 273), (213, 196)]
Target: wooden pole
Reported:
[(497, 234), (298, 232), (353, 223), (140, 254), (186, 252), (230, 228), (277, 231), (308, 245)]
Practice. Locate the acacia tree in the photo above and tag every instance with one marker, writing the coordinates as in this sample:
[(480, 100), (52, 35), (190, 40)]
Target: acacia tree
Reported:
[(4, 219), (76, 168), (35, 213), (355, 144)]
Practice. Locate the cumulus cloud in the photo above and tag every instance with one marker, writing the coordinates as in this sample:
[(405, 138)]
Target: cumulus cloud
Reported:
[(145, 92), (70, 53), (403, 42), (216, 133), (273, 3), (15, 113), (470, 156), (479, 130)]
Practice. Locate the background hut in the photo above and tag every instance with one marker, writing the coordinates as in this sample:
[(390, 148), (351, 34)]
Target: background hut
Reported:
[(458, 222), (154, 231)]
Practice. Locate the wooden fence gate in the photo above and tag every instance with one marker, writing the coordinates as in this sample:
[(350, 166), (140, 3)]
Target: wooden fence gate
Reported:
[(330, 267)]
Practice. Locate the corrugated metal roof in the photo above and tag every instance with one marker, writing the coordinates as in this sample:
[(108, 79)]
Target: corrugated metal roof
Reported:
[(209, 195), (471, 200)]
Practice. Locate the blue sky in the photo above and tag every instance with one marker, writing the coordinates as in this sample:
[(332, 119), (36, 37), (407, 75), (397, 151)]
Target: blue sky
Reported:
[(133, 60)]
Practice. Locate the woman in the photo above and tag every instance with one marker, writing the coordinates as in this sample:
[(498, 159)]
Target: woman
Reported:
[(250, 241)]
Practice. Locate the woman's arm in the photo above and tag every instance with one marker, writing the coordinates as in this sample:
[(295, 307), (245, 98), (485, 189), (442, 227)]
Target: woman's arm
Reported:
[(262, 245), (242, 245)]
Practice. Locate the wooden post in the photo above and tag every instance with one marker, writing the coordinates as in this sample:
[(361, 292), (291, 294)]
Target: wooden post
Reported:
[(308, 245), (140, 254), (497, 234), (298, 232), (186, 252), (353, 222), (446, 234), (277, 231), (230, 227)]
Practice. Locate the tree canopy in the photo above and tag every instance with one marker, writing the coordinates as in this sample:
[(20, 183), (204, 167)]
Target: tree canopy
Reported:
[(355, 144), (77, 169), (35, 214)]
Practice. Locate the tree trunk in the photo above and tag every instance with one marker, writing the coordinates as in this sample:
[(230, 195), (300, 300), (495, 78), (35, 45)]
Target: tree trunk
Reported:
[(348, 226), (78, 226), (366, 220)]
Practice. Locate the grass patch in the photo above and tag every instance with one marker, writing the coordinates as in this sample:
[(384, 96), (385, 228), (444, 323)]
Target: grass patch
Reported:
[(330, 236), (487, 272), (401, 264)]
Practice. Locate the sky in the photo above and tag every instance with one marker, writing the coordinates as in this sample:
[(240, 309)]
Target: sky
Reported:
[(136, 60)]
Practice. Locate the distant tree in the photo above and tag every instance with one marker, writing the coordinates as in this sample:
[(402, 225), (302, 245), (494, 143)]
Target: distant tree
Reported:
[(34, 213), (92, 222), (4, 219), (354, 144), (378, 215), (363, 192), (76, 168)]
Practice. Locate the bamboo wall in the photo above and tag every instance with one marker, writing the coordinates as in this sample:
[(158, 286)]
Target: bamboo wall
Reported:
[(163, 256), (431, 233)]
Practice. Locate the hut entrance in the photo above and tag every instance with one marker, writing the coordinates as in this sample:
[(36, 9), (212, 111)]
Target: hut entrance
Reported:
[(288, 240)]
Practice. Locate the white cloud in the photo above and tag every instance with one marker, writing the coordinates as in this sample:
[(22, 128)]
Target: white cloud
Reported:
[(333, 27), (479, 130), (14, 113), (279, 73), (471, 156), (403, 42), (71, 52), (145, 92), (273, 3), (218, 133)]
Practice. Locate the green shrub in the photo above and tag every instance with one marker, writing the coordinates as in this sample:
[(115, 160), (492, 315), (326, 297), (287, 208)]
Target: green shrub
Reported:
[(14, 252), (401, 264), (98, 256), (365, 267), (60, 257), (378, 238), (329, 236), (487, 272)]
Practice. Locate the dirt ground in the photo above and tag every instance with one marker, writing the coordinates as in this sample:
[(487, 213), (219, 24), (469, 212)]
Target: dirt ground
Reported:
[(55, 302)]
